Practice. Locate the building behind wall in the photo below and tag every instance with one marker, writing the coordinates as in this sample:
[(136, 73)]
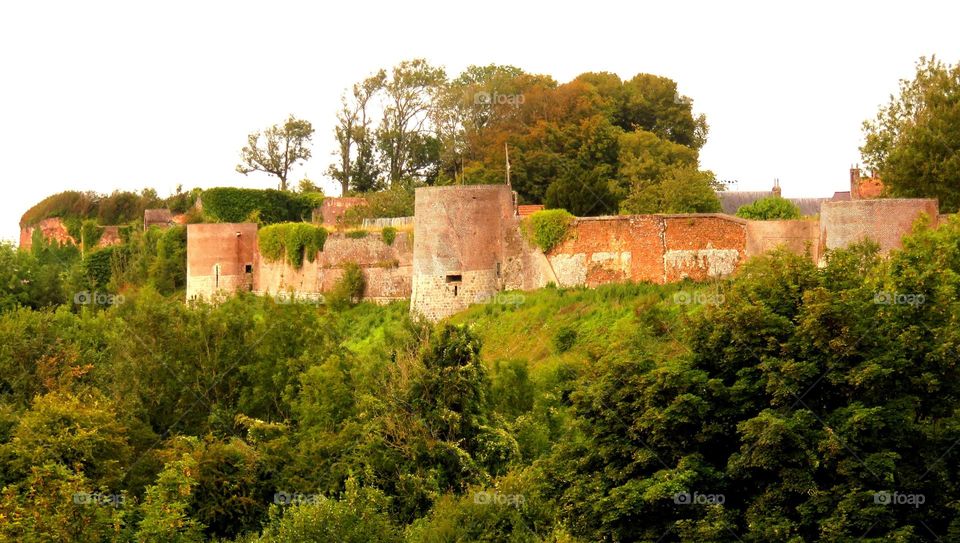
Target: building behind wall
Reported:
[(220, 259)]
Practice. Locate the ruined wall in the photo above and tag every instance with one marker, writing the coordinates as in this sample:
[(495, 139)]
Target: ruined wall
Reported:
[(54, 229), (653, 248), (220, 258), (463, 238), (885, 221), (387, 269), (795, 235), (332, 209)]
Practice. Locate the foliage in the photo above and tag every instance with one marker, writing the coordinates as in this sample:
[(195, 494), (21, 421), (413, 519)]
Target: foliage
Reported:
[(393, 202), (227, 204), (292, 240), (348, 290), (120, 207), (769, 209), (277, 149), (912, 141), (548, 228), (356, 234), (388, 234), (679, 190)]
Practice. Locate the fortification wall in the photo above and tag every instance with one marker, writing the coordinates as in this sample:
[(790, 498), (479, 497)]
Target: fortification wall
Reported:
[(387, 269), (797, 236), (653, 248), (54, 229), (885, 221), (220, 258), (463, 238)]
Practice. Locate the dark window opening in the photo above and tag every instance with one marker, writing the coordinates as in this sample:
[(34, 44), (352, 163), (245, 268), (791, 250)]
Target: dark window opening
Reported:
[(248, 268), (454, 278), (455, 288), (498, 269)]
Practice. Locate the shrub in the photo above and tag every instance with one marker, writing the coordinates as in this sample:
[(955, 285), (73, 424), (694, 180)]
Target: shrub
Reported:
[(548, 228), (227, 204), (349, 288), (291, 240), (394, 202), (357, 234), (769, 209), (389, 234), (69, 204), (564, 339)]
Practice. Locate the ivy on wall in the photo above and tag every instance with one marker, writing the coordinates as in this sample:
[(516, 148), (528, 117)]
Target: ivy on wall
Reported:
[(291, 240), (228, 204), (547, 228)]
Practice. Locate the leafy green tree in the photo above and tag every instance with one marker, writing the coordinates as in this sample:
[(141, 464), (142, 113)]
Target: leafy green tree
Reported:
[(680, 190), (913, 140), (166, 506), (277, 149), (769, 209), (357, 169)]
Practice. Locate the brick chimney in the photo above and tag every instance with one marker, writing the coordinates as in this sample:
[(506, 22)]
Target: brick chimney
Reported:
[(855, 182), (776, 187)]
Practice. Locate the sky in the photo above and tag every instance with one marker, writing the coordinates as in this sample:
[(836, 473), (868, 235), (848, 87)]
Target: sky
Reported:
[(108, 96)]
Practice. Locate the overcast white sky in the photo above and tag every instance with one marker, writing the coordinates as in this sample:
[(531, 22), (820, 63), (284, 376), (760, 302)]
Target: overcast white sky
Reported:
[(103, 96)]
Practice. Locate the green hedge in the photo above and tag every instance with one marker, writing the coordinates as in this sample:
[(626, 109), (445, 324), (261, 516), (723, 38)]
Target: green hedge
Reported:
[(228, 204), (291, 240), (548, 228)]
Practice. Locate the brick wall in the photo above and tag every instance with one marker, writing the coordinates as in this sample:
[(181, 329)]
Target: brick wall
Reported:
[(653, 248), (218, 256), (798, 236), (885, 221), (387, 269)]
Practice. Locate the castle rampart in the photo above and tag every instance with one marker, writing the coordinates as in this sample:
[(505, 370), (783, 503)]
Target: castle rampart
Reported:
[(466, 246)]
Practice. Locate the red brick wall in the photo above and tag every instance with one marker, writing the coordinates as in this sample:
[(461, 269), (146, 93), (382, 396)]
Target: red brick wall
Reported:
[(229, 246), (331, 209)]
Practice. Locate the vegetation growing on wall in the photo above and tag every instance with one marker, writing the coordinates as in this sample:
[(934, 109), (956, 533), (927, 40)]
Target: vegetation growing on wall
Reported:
[(292, 241), (547, 228), (348, 290), (117, 208), (769, 209), (228, 204), (389, 234)]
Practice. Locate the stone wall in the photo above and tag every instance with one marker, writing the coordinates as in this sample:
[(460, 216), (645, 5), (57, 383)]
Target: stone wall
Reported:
[(220, 259), (54, 229), (798, 236), (885, 221), (332, 209), (465, 238), (652, 248), (387, 269)]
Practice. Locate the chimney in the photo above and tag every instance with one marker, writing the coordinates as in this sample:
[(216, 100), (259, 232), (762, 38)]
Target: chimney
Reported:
[(855, 182), (776, 187)]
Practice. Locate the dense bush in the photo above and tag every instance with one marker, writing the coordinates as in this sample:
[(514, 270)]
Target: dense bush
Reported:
[(548, 228), (228, 204), (769, 209), (292, 240), (392, 202), (348, 290), (388, 234)]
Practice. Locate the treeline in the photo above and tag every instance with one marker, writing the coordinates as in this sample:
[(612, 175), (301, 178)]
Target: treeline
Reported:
[(791, 403), (593, 145)]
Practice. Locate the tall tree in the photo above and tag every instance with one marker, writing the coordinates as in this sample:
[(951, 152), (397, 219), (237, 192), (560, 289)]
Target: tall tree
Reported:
[(277, 149), (914, 142), (405, 138), (356, 167)]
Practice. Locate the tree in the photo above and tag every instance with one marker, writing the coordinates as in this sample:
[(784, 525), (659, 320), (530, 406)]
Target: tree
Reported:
[(913, 142), (277, 149), (357, 168), (769, 209), (682, 190), (404, 136)]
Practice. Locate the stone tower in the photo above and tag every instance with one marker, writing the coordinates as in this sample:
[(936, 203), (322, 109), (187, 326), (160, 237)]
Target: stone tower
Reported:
[(462, 244)]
